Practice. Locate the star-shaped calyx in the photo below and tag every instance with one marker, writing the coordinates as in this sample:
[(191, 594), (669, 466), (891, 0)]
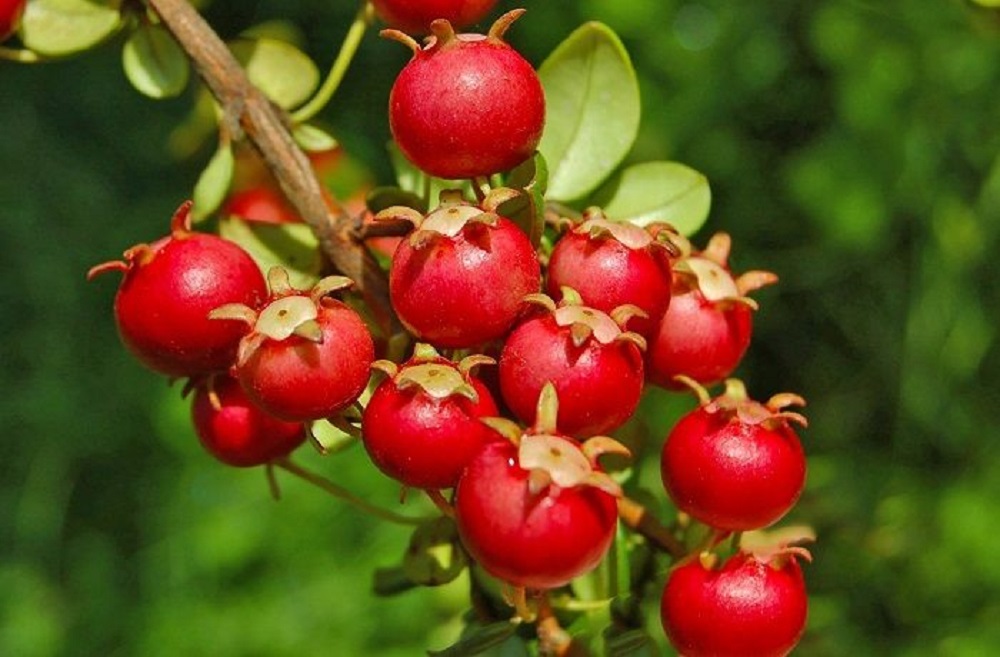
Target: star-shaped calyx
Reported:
[(433, 374), (289, 312), (453, 216), (587, 323), (551, 458), (659, 236), (737, 404), (708, 272)]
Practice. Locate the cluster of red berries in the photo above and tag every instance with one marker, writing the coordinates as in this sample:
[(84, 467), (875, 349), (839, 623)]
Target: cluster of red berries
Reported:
[(10, 16), (625, 307)]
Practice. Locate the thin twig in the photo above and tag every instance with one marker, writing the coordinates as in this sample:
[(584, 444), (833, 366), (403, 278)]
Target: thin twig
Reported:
[(248, 113), (637, 518), (343, 494)]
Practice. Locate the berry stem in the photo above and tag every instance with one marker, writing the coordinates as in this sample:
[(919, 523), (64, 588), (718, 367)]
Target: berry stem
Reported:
[(348, 49), (637, 518), (343, 494), (440, 502)]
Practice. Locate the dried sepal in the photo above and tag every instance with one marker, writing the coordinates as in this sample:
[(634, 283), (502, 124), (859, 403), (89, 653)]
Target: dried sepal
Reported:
[(287, 316), (278, 282), (597, 446), (401, 213), (387, 367), (539, 299), (631, 337), (754, 280), (502, 24), (238, 312), (401, 37), (506, 428), (704, 399), (439, 380), (547, 409), (626, 312), (498, 196), (468, 365), (718, 248), (329, 285)]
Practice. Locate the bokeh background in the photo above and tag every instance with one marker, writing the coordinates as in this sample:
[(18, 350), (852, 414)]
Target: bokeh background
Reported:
[(852, 148)]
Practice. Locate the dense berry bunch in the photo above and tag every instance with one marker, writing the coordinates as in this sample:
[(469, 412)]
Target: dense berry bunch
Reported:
[(532, 491)]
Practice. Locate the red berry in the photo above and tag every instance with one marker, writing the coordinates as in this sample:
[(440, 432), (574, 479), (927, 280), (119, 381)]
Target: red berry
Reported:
[(611, 264), (415, 16), (733, 463), (10, 16), (540, 514), (235, 431), (706, 330), (307, 356), (263, 204), (169, 288), (466, 105), (750, 607), (458, 280), (596, 368), (421, 425)]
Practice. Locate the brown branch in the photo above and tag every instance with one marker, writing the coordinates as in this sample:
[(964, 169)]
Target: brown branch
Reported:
[(247, 112), (637, 518)]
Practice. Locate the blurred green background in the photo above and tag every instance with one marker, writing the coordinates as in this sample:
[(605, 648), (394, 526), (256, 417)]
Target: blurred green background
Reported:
[(852, 148)]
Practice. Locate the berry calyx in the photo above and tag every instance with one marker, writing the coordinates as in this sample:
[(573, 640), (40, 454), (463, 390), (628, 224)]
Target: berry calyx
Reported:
[(613, 263), (733, 463), (751, 605), (307, 355), (170, 286), (235, 431), (416, 16), (595, 365), (466, 105), (706, 329), (457, 281), (421, 425), (536, 510)]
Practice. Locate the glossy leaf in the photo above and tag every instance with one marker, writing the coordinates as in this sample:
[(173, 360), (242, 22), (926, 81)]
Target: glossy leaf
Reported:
[(313, 139), (478, 641), (293, 246), (657, 191), (64, 27), (592, 110), (154, 63), (415, 181), (528, 210), (213, 184), (279, 69)]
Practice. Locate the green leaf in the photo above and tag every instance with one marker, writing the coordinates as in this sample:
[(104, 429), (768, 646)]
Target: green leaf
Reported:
[(434, 556), (154, 63), (293, 246), (381, 198), (478, 641), (213, 184), (528, 210), (657, 191), (330, 438), (413, 180), (64, 27), (313, 139), (283, 72), (592, 110)]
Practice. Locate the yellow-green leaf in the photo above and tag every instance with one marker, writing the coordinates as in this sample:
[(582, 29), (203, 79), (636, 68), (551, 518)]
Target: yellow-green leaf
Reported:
[(669, 192), (592, 110), (213, 184), (154, 63), (293, 246), (64, 27), (283, 72)]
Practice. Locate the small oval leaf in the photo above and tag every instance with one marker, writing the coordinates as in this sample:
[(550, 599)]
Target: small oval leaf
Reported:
[(154, 63), (313, 139), (528, 210), (592, 110), (64, 27), (283, 72), (213, 184), (649, 192), (293, 246)]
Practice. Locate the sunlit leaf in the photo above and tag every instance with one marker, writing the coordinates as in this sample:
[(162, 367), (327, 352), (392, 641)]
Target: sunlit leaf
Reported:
[(293, 246), (64, 27), (313, 139), (279, 69), (592, 110), (213, 184), (154, 63), (657, 191)]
